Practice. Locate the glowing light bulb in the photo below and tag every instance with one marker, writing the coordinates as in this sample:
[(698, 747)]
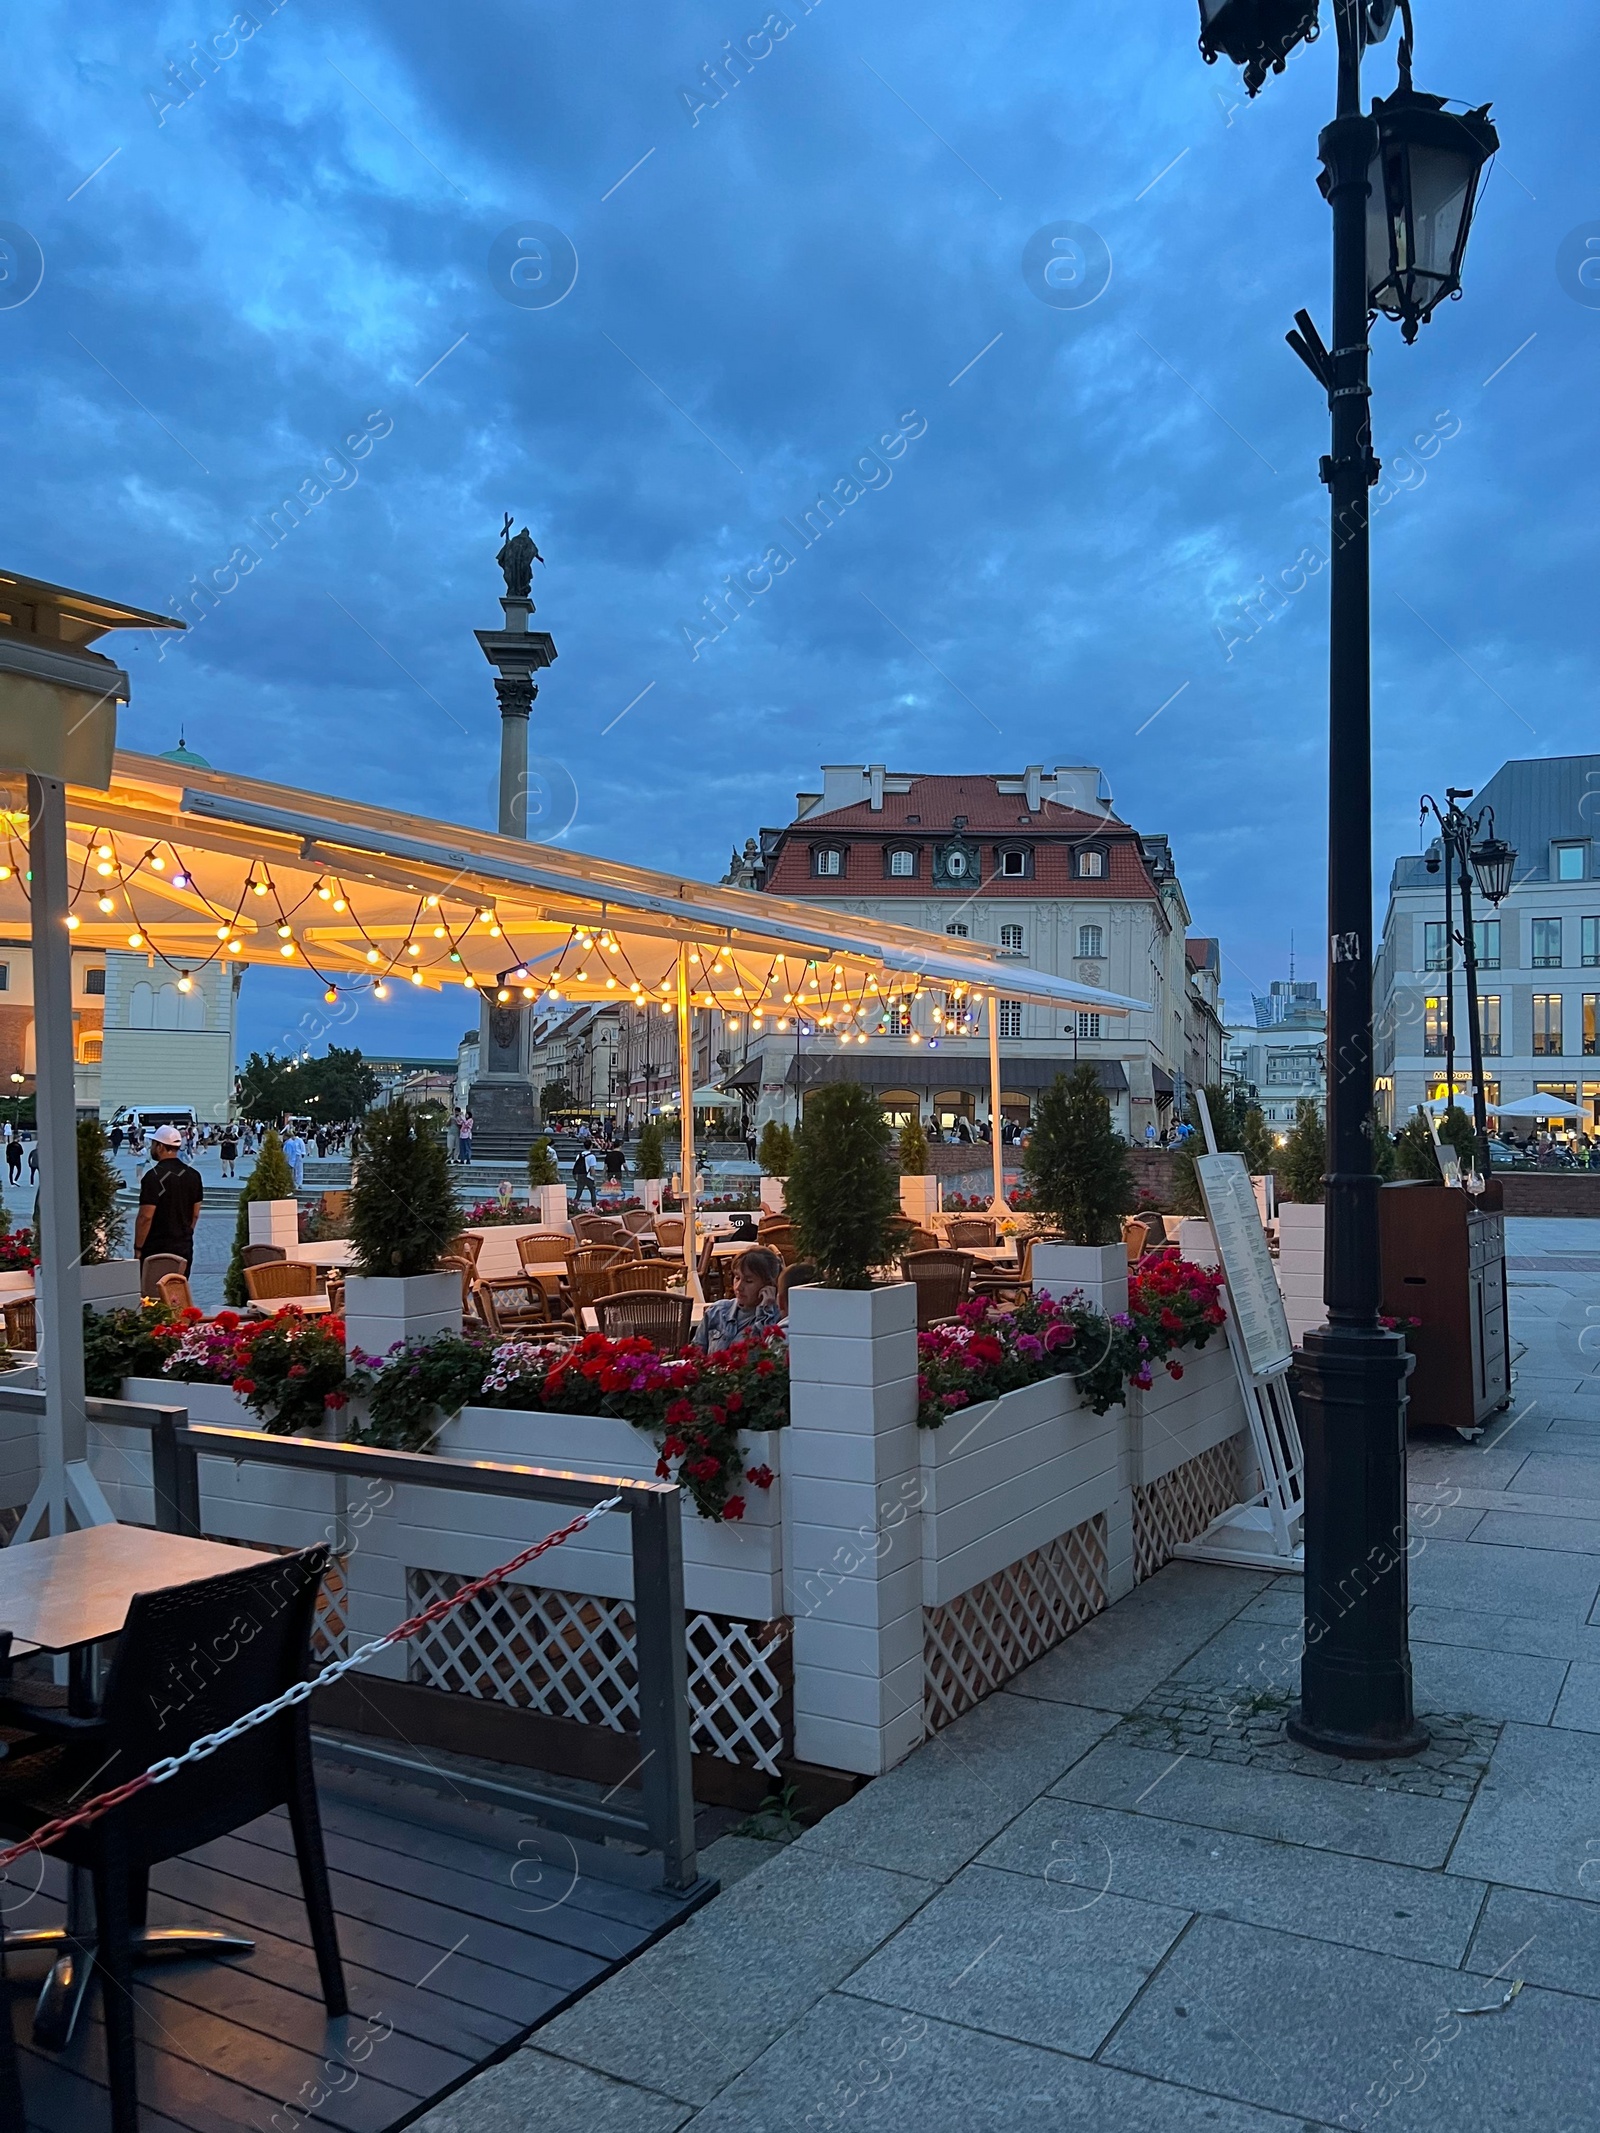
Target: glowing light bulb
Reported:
[(413, 948), (433, 903), (259, 887), (372, 955), (135, 940), (438, 933), (222, 933), (234, 948), (180, 881), (331, 994), (103, 868), (73, 922), (380, 990), (339, 903), (494, 933), (186, 983), (5, 873), (107, 904), (287, 948), (527, 992), (519, 973), (327, 897), (502, 994), (612, 984), (157, 862), (416, 977)]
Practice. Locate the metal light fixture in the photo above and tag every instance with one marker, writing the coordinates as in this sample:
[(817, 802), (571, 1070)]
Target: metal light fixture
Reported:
[(1424, 187), (1257, 35), (1493, 861)]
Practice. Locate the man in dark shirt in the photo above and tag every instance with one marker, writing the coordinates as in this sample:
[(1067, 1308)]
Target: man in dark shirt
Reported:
[(169, 1201)]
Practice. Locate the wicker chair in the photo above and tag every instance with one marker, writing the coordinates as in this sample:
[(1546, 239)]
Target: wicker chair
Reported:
[(586, 1265), (599, 1229), (712, 1271), (1135, 1236), (969, 1232), (669, 1232), (458, 1263), (175, 1293), (465, 1246), (152, 1269), (262, 1255), (1001, 1284), (546, 1250), (943, 1281), (22, 1324), (334, 1207), (920, 1240), (509, 1305), (279, 1278), (638, 1221), (631, 1273), (645, 1314)]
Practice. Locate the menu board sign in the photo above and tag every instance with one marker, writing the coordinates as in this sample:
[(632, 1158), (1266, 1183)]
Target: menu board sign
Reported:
[(1235, 1219)]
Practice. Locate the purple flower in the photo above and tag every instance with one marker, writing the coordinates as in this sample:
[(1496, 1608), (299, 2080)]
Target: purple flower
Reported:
[(1029, 1345)]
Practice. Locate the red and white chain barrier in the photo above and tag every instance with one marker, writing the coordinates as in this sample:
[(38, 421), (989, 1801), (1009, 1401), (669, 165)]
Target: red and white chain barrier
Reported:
[(209, 1743)]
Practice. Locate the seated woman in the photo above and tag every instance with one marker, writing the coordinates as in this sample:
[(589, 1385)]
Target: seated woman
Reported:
[(751, 1309)]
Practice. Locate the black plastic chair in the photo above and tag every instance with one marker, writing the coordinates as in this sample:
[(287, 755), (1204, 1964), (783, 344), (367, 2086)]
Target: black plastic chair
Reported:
[(190, 1660)]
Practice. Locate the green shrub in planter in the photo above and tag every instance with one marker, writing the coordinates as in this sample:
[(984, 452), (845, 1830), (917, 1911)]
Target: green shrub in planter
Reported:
[(542, 1169), (271, 1179), (1255, 1141), (775, 1149), (102, 1226), (650, 1159), (1303, 1158), (403, 1207), (842, 1196), (1076, 1164), (1228, 1113), (913, 1149)]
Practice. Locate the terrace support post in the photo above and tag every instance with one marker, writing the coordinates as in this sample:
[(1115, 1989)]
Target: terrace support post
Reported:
[(68, 1493), (853, 1493), (666, 1770), (998, 1208), (686, 1122)]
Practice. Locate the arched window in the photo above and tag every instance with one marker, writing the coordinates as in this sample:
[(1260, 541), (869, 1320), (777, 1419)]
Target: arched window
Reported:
[(1091, 941), (1011, 940)]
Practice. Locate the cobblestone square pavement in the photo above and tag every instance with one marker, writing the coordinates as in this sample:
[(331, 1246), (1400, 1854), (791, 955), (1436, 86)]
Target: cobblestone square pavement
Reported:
[(1112, 1898)]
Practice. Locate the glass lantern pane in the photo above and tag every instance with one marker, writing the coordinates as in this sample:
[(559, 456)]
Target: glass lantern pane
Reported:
[(1440, 185), (1377, 227)]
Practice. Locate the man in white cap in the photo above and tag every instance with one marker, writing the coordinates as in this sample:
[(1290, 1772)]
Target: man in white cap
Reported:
[(169, 1201)]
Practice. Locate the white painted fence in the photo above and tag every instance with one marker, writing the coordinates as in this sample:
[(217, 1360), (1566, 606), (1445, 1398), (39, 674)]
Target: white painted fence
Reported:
[(897, 1573)]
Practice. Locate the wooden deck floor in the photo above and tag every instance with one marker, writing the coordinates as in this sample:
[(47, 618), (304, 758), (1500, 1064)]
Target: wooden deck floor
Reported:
[(461, 1930)]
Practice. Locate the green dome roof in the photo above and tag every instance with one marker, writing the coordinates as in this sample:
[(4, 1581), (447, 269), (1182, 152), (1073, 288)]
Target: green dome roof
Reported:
[(184, 756)]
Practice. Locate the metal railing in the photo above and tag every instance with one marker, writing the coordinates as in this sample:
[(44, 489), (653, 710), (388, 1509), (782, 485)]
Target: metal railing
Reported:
[(665, 1824)]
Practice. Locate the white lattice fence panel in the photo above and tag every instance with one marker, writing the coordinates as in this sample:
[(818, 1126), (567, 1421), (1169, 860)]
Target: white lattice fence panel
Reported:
[(985, 1635), (571, 1655), (1181, 1505), (330, 1631)]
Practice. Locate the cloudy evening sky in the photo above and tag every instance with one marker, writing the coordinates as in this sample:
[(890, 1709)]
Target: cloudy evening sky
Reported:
[(311, 240)]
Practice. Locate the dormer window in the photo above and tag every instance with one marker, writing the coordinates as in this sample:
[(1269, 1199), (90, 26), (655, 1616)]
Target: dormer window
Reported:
[(1091, 865), (827, 859), (903, 862), (1013, 862)]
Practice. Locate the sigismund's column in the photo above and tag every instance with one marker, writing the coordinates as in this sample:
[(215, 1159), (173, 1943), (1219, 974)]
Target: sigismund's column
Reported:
[(502, 1100)]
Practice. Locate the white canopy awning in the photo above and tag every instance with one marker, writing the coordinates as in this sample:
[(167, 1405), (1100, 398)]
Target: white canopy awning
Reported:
[(192, 867)]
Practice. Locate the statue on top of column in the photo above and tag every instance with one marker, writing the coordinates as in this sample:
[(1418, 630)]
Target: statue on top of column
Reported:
[(517, 556)]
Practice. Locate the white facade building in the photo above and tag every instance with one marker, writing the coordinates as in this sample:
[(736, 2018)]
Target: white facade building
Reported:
[(1280, 1057)]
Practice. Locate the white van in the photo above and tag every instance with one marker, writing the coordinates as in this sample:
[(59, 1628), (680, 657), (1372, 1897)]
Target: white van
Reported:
[(148, 1116)]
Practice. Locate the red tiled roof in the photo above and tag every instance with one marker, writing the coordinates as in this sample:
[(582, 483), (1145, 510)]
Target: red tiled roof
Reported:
[(938, 800)]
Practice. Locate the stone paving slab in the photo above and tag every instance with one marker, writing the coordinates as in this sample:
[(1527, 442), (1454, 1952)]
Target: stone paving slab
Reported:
[(689, 2013), (1360, 1903), (939, 1809), (1567, 1474), (532, 2089), (1023, 1957), (1497, 1685), (1579, 1706), (1527, 1581), (1517, 1529), (1550, 1940), (1345, 2037), (852, 2067), (1114, 1661), (1536, 1821), (1541, 1637), (1319, 1812)]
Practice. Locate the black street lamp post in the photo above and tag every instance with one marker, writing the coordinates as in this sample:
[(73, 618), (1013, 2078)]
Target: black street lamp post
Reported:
[(1401, 183), (1489, 861)]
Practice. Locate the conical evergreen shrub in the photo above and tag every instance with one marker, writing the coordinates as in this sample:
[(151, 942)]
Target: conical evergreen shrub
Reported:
[(650, 1156), (842, 1196), (542, 1168), (403, 1206), (1303, 1159), (913, 1149), (102, 1226), (270, 1179), (1075, 1164), (775, 1149)]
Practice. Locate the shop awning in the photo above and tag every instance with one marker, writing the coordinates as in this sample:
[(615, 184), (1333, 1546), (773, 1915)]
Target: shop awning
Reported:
[(190, 866)]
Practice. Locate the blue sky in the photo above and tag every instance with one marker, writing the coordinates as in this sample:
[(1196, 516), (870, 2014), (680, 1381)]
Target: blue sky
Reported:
[(302, 244)]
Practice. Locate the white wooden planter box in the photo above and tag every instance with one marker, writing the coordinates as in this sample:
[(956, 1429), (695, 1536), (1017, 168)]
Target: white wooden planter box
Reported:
[(1098, 1271), (1299, 1266), (772, 1191), (1002, 1479), (1179, 1419), (919, 1199), (111, 1286), (19, 1444), (239, 1500), (20, 1283), (275, 1222), (729, 1567), (381, 1311)]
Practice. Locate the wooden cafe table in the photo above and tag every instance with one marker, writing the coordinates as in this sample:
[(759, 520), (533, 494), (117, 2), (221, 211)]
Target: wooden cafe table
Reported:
[(66, 1595)]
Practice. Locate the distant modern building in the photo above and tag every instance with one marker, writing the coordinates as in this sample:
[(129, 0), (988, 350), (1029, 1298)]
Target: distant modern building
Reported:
[(1038, 864), (1538, 955), (1279, 1057)]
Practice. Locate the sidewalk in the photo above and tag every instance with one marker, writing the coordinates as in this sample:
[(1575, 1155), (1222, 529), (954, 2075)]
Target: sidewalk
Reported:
[(1115, 1897)]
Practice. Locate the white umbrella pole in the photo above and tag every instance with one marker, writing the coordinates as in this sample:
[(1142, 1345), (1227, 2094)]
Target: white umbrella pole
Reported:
[(67, 1490), (998, 1208), (686, 1122)]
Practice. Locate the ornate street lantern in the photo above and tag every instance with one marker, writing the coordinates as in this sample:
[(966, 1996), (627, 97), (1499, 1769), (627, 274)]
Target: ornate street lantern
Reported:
[(1257, 35), (1492, 863), (1425, 181)]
